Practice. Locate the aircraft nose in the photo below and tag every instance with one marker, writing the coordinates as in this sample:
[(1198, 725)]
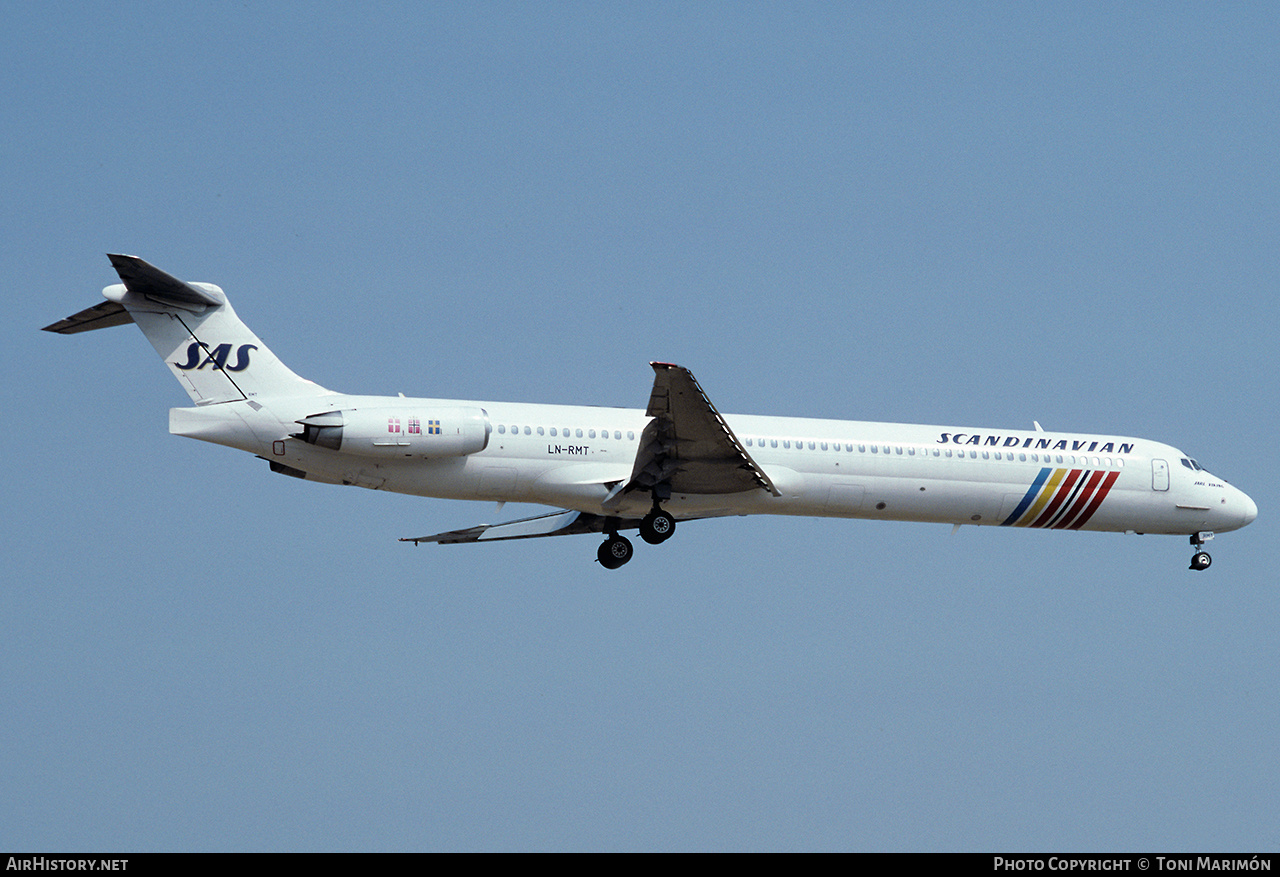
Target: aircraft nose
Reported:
[(1249, 510)]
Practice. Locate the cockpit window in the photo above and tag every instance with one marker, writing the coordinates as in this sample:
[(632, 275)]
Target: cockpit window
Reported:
[(1191, 464)]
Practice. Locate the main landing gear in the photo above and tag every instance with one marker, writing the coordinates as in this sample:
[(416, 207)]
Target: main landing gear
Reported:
[(1201, 559), (655, 528), (614, 551)]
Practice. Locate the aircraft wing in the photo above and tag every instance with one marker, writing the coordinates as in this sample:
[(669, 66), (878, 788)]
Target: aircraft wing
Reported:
[(563, 523), (687, 446)]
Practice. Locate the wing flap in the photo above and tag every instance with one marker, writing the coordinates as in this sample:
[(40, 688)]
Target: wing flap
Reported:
[(562, 523)]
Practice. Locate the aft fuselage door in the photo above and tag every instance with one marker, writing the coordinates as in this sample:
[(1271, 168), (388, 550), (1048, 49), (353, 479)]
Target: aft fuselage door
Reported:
[(1159, 475)]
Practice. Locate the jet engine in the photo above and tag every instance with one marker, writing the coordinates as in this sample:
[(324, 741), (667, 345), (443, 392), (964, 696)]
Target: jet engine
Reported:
[(399, 432)]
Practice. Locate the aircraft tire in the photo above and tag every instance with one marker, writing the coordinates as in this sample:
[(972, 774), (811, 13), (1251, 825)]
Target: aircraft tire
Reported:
[(1201, 560), (657, 527), (614, 552)]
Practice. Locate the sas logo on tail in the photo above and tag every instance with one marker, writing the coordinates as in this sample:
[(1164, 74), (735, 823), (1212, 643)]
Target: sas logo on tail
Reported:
[(217, 356)]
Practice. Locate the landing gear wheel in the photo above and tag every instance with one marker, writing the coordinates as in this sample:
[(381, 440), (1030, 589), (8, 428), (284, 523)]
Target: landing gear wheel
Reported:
[(657, 527), (1200, 560), (614, 552)]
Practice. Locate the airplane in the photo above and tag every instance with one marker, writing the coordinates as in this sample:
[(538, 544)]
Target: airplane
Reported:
[(608, 470)]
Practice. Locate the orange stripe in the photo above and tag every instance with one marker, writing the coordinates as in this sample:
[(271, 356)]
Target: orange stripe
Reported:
[(1063, 492), (1031, 513)]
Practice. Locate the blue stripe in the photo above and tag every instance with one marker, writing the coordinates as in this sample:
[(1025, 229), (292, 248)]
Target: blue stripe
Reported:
[(1029, 498)]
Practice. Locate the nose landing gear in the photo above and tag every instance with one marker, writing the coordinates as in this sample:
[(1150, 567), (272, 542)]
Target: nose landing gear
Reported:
[(1201, 559)]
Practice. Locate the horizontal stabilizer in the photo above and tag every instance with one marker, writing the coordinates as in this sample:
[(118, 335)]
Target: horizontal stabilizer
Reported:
[(102, 316), (142, 278), (212, 353), (565, 523)]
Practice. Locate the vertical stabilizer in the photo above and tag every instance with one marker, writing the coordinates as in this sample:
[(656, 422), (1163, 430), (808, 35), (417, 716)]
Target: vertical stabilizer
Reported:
[(214, 355)]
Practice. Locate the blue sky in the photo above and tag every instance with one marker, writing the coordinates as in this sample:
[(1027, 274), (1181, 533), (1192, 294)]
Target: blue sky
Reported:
[(970, 214)]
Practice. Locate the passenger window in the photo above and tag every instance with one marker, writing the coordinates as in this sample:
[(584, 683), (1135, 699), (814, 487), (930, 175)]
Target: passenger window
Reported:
[(528, 431), (591, 433), (578, 433), (631, 436), (539, 430), (617, 434), (501, 429)]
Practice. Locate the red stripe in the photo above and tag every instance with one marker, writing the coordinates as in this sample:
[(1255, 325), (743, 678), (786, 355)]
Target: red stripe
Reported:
[(1097, 501), (1081, 501), (1064, 490)]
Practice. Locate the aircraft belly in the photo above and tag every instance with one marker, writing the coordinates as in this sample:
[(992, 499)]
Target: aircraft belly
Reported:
[(705, 505), (582, 486), (1147, 511), (497, 482)]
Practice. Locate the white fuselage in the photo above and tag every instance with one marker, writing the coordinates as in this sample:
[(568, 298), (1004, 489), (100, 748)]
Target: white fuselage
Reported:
[(612, 469), (569, 456)]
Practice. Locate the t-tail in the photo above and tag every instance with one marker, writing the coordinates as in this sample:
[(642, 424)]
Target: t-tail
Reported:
[(210, 351)]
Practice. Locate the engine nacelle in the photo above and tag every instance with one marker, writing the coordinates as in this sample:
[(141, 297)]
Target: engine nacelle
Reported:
[(399, 432)]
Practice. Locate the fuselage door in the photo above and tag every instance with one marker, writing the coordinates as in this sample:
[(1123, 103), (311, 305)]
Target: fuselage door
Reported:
[(1159, 475)]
